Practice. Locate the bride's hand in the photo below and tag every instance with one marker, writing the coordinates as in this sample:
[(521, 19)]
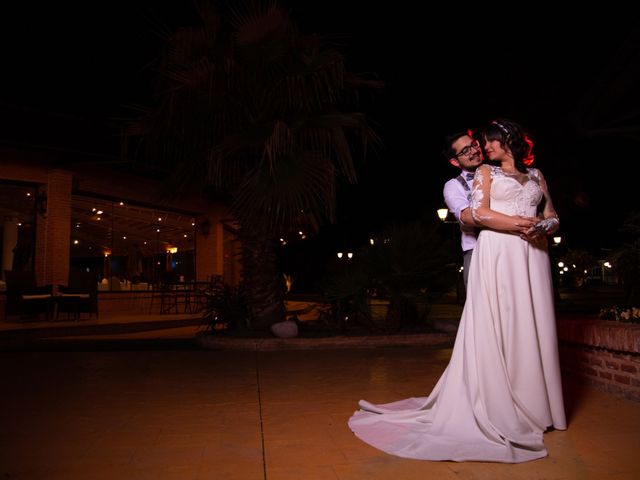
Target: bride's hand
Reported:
[(524, 225), (533, 234), (535, 231)]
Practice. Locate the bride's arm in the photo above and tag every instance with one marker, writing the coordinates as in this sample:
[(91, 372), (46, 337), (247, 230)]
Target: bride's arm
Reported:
[(481, 210), (551, 222)]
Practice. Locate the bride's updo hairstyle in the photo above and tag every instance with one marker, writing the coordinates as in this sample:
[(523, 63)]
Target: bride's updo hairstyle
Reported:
[(513, 137)]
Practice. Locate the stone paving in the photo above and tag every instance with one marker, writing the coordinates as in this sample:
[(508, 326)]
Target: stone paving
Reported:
[(134, 411), (121, 399)]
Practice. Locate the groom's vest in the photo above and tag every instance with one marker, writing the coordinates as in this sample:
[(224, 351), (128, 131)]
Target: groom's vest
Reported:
[(465, 185)]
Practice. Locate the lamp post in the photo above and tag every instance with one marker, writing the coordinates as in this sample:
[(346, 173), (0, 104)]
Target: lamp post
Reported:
[(446, 217), (342, 305)]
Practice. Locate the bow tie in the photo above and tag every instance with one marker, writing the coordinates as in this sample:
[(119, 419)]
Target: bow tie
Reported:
[(469, 176)]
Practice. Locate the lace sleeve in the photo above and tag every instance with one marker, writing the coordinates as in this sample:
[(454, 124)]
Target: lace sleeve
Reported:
[(480, 194), (550, 222)]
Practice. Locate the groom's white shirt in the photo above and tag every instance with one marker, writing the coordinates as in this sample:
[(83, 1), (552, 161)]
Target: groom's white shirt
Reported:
[(458, 199)]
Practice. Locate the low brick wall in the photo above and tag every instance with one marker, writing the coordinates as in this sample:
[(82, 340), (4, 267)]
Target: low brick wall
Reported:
[(127, 303), (604, 354)]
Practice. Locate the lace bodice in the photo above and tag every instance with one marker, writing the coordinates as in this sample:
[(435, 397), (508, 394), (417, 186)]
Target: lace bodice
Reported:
[(511, 197)]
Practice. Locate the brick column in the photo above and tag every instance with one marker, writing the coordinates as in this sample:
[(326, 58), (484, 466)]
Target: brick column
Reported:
[(217, 252), (53, 230)]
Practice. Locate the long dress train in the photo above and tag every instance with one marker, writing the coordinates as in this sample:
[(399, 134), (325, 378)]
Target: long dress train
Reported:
[(501, 388)]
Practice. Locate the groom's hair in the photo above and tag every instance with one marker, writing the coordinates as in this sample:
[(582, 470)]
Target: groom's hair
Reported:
[(448, 151)]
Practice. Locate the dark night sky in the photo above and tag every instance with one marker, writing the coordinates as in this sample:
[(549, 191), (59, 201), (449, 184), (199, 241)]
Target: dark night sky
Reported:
[(554, 73)]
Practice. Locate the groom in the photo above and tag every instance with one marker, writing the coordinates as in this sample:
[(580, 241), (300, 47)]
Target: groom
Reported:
[(462, 151)]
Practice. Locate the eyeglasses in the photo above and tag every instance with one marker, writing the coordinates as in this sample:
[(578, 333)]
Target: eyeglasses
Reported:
[(466, 151)]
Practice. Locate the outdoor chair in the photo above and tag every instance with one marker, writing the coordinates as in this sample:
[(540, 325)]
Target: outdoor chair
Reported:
[(24, 297), (79, 296)]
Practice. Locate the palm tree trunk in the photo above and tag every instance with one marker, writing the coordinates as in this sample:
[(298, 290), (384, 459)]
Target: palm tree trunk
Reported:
[(261, 280)]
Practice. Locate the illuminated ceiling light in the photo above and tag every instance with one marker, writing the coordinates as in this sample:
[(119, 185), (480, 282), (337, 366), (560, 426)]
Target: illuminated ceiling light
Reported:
[(349, 255), (442, 213), (372, 241), (99, 212), (561, 264), (28, 194), (159, 219), (75, 242), (339, 254), (158, 230), (121, 204), (124, 237), (185, 235), (98, 218), (93, 209)]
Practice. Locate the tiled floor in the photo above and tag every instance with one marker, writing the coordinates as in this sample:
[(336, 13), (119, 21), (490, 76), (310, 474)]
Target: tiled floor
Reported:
[(199, 414)]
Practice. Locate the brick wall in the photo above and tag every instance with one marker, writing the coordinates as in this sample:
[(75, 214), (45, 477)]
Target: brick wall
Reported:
[(52, 249), (22, 166), (53, 227), (603, 354)]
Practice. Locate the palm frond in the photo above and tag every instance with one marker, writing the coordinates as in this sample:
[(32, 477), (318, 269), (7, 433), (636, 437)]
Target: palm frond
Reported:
[(245, 99)]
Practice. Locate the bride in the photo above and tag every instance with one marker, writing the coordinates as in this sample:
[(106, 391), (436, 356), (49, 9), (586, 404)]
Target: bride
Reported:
[(502, 387)]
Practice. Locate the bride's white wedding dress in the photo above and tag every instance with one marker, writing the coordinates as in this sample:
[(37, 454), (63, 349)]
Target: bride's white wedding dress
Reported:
[(502, 387)]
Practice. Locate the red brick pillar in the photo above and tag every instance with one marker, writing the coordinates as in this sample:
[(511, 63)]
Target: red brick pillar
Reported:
[(53, 229)]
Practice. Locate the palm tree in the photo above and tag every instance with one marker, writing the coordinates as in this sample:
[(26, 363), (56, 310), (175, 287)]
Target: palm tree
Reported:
[(252, 111)]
